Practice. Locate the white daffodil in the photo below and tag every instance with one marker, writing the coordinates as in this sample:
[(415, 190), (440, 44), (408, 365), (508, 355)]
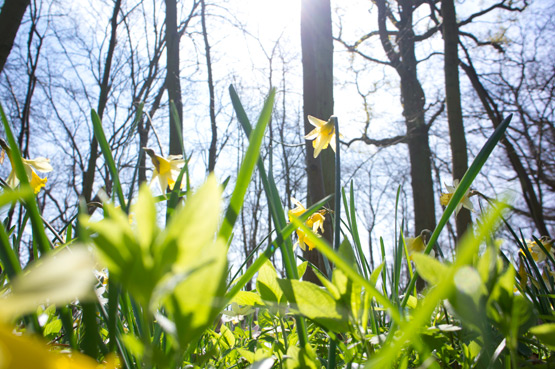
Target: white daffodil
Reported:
[(165, 169), (446, 197)]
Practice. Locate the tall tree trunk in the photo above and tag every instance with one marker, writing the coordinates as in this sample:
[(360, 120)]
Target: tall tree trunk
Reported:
[(213, 127), (454, 110), (412, 100), (10, 19), (88, 176), (317, 59), (172, 78)]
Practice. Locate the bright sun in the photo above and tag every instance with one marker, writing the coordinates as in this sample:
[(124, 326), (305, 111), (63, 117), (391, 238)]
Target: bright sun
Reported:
[(272, 17)]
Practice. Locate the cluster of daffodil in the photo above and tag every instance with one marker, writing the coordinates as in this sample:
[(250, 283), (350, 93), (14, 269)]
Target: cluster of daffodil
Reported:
[(315, 221), (39, 164), (418, 244), (323, 136), (539, 257)]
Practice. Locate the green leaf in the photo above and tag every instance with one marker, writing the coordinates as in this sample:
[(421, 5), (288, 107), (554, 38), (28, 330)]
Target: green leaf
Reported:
[(197, 300), (247, 298), (193, 226), (246, 354), (431, 269), (108, 157), (58, 279), (301, 268), (247, 167), (267, 284), (227, 336), (145, 215), (376, 274), (54, 327), (133, 345), (313, 302), (545, 333), (301, 358)]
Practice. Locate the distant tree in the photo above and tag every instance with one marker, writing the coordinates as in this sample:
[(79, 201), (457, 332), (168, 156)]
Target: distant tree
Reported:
[(211, 92), (89, 174), (523, 83), (11, 16)]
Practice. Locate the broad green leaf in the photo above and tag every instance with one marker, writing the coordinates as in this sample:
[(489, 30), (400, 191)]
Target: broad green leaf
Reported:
[(227, 336), (545, 333), (197, 300), (301, 268), (267, 284), (58, 279), (511, 313), (145, 215), (429, 268), (329, 286), (315, 303), (52, 327), (195, 225), (246, 354), (247, 298), (301, 358)]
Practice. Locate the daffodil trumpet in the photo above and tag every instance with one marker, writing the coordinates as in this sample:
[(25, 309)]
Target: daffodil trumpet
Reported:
[(166, 170), (315, 222), (323, 135), (465, 202), (30, 165)]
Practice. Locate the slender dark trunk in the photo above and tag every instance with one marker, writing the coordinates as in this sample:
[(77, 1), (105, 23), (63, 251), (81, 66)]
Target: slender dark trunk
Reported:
[(454, 109), (172, 78), (317, 59), (536, 211), (212, 150), (88, 176)]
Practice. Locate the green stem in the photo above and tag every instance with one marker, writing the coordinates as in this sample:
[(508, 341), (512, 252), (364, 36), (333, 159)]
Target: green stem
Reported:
[(337, 209)]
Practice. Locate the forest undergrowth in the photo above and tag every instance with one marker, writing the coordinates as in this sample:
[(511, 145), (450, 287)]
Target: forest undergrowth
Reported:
[(130, 287)]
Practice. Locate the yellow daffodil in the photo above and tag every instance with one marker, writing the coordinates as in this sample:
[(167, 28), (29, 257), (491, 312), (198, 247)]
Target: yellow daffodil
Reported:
[(40, 164), (523, 275), (323, 135), (537, 253), (315, 221), (165, 169), (418, 244), (24, 351), (446, 197)]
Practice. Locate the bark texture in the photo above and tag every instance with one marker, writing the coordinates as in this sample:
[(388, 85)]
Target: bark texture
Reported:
[(317, 59), (453, 98), (10, 20)]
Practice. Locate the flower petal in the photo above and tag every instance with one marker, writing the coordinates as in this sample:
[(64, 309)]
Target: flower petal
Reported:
[(40, 164), (315, 121)]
